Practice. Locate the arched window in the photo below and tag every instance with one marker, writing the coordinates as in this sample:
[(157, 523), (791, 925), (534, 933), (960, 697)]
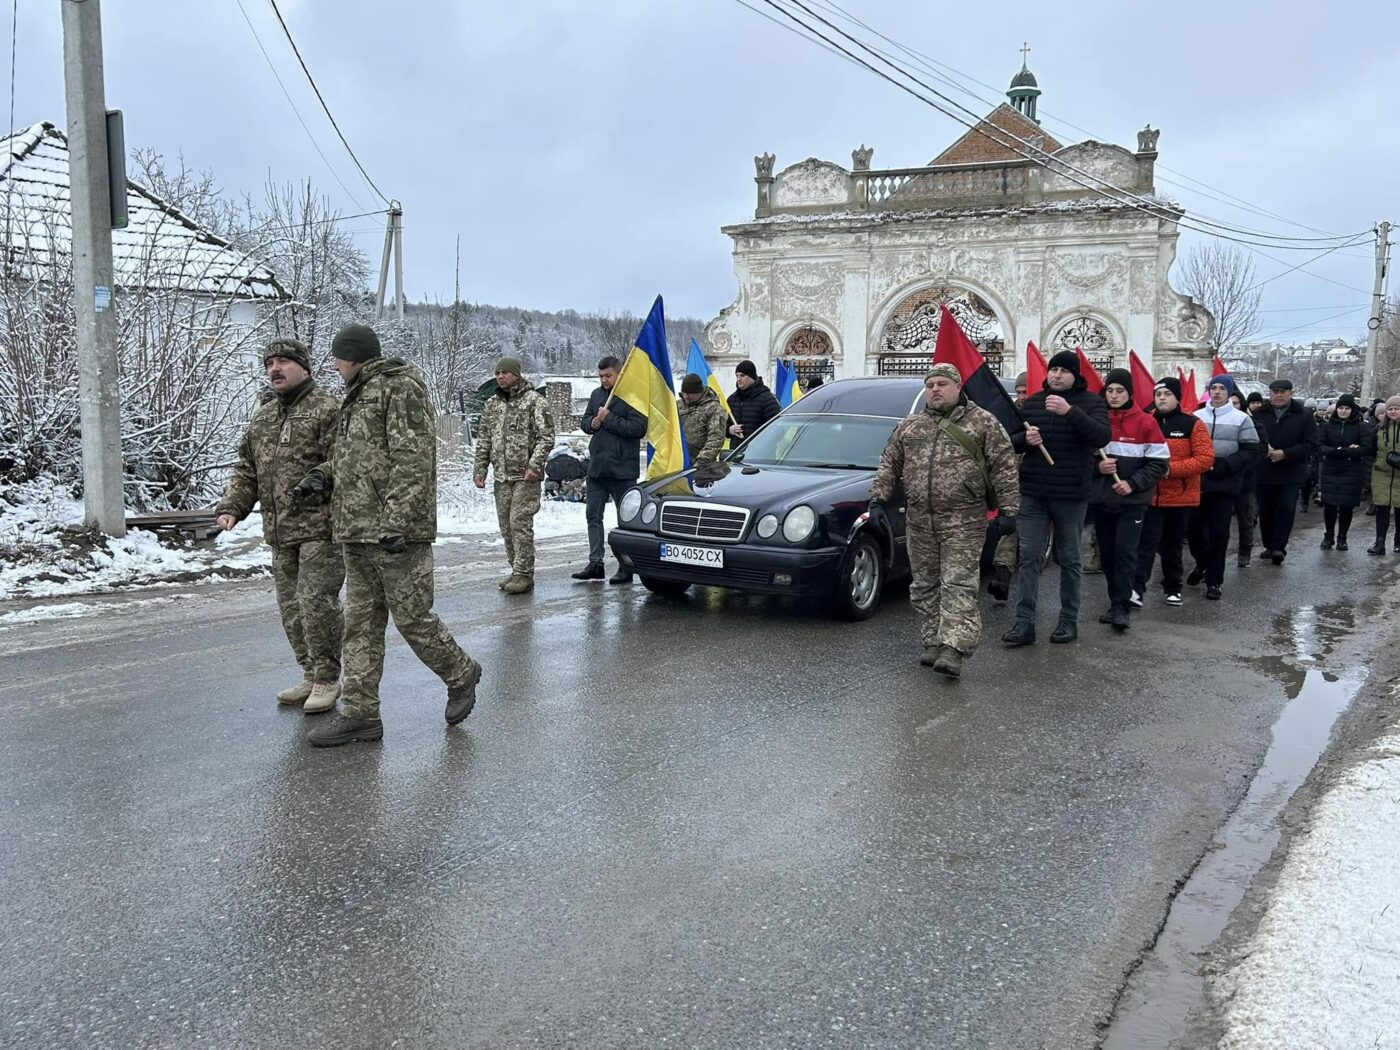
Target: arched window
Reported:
[(907, 342)]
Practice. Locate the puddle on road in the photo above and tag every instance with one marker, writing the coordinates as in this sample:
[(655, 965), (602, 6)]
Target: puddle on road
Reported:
[(1152, 1011)]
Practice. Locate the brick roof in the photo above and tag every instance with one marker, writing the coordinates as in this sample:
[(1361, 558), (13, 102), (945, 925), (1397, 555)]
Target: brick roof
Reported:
[(975, 147), (159, 249)]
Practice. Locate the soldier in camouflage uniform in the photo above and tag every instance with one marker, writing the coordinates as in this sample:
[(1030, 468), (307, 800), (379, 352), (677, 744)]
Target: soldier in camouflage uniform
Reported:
[(514, 439), (383, 485), (289, 434), (948, 495), (703, 420)]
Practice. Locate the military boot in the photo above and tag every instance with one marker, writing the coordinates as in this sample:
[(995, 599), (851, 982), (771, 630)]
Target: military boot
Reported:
[(323, 697), (1000, 587), (519, 584), (461, 698), (592, 571), (930, 656), (949, 662), (297, 694), (342, 729)]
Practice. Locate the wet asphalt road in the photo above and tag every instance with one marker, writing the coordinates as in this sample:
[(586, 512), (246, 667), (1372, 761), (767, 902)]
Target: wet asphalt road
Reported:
[(714, 822)]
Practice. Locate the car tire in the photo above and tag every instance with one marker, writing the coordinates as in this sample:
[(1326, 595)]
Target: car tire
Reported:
[(862, 580), (666, 588)]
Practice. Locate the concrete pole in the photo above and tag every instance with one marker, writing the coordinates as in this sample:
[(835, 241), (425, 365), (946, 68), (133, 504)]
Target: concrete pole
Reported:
[(1377, 318), (384, 264), (98, 392), (398, 259)]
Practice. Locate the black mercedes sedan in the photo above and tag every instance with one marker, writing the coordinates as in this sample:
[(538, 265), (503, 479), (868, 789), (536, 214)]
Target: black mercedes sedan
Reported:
[(785, 512)]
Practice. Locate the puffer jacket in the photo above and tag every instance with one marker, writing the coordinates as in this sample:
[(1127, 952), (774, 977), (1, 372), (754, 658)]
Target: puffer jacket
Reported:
[(285, 440), (1192, 454), (753, 407), (703, 424), (1385, 479), (1073, 441), (384, 472), (516, 434), (1237, 448), (1142, 458), (1343, 466), (615, 449)]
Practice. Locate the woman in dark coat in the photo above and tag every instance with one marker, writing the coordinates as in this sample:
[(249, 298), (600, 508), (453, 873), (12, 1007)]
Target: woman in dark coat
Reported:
[(1342, 450)]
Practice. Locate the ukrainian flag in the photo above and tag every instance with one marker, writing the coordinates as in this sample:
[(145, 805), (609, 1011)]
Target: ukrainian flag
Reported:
[(696, 363), (646, 385), (785, 384)]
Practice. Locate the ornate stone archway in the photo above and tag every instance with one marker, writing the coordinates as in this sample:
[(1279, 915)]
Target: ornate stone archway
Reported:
[(810, 351), (1096, 336), (906, 341)]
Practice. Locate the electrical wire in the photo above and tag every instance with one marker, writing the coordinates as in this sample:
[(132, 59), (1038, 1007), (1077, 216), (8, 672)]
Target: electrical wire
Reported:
[(301, 120), (1285, 273), (320, 98), (1269, 337)]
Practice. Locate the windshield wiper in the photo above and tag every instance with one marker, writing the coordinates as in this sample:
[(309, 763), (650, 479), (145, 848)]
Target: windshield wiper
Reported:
[(839, 466)]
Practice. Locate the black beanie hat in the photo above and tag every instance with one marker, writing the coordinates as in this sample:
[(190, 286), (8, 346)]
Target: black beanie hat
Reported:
[(1122, 377), (1349, 400), (746, 368), (355, 342), (692, 384), (291, 349), (1170, 383), (1254, 398), (1066, 359)]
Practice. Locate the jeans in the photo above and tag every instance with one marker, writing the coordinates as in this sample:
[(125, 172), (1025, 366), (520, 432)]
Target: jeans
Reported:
[(1209, 535), (1033, 523), (1163, 533), (599, 490), (1118, 530), (1278, 505)]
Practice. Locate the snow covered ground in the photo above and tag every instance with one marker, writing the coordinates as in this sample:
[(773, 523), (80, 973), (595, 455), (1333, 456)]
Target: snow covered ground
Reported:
[(1323, 968)]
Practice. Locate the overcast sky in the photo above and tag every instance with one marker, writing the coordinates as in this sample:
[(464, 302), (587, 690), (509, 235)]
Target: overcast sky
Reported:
[(588, 152)]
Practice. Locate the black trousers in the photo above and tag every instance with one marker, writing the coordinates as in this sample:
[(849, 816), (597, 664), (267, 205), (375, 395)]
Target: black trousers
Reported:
[(1164, 535), (1278, 505), (1209, 534), (1336, 520), (1246, 514), (1118, 530), (1383, 526)]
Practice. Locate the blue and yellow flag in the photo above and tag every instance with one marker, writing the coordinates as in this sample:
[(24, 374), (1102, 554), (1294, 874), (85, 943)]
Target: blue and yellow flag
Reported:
[(696, 363), (646, 385), (785, 385)]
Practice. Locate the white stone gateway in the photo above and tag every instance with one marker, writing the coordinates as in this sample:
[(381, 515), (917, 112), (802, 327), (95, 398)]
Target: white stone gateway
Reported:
[(843, 271)]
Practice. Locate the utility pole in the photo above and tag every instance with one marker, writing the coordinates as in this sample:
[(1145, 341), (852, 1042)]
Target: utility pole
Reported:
[(1377, 318), (393, 247), (90, 192)]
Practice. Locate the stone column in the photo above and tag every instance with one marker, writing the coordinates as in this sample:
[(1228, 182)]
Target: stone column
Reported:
[(855, 321)]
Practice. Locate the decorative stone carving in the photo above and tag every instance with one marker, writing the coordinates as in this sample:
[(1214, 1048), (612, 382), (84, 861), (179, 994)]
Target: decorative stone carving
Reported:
[(860, 158), (1147, 139), (806, 287), (1085, 332), (808, 342), (764, 165), (1106, 164), (811, 182)]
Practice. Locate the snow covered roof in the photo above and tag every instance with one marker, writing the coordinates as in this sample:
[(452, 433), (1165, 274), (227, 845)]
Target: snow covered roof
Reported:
[(159, 249)]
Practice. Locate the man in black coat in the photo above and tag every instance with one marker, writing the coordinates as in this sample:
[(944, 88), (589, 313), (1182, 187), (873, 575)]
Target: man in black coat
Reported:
[(1072, 425), (752, 404), (1289, 434), (614, 457)]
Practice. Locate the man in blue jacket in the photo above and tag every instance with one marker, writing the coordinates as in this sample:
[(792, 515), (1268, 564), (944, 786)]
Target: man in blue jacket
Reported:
[(614, 458)]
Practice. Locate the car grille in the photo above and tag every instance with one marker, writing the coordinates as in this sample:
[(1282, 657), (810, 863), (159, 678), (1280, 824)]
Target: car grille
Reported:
[(703, 521)]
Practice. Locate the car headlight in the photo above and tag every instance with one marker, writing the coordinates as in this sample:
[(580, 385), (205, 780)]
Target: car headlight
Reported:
[(767, 525), (648, 513), (631, 503), (799, 523)]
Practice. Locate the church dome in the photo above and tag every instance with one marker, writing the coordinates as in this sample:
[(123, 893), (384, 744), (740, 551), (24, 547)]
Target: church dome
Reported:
[(1025, 78)]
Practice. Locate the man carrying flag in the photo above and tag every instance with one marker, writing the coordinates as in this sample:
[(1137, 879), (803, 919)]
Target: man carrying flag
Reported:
[(614, 452), (702, 420)]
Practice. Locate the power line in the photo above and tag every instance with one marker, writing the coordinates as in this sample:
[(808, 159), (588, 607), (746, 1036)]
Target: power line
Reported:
[(320, 98), (1311, 324), (286, 94)]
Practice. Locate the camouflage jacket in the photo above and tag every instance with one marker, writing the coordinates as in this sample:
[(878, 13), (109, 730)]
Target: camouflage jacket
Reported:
[(281, 444), (942, 482), (384, 473), (516, 434), (703, 424)]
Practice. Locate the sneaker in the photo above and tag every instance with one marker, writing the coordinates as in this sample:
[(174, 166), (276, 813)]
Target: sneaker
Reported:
[(1213, 593), (1173, 599), (297, 694), (949, 662), (1135, 600), (592, 571), (342, 729), (461, 698), (1197, 575)]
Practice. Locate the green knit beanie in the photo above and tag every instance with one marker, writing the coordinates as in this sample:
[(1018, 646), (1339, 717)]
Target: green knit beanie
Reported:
[(355, 342), (692, 384), (509, 364)]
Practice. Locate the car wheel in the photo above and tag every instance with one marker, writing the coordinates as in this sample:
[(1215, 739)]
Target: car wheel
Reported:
[(670, 588), (862, 580)]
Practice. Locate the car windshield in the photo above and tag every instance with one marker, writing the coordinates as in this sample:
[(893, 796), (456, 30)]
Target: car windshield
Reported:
[(828, 440)]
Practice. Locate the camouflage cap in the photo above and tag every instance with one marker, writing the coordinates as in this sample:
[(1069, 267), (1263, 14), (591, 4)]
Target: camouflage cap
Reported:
[(946, 371), (291, 349)]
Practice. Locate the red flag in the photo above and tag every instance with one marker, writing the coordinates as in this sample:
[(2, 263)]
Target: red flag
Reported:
[(981, 387), (1190, 401), (1218, 368), (1142, 382), (1036, 368), (1093, 382)]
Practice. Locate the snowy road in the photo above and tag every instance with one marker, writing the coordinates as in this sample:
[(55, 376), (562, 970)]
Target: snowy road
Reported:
[(719, 822)]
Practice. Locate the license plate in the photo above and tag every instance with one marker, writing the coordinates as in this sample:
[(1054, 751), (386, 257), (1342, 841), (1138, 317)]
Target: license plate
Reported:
[(684, 554)]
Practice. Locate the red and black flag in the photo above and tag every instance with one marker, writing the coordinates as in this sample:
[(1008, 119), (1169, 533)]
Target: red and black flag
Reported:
[(981, 387)]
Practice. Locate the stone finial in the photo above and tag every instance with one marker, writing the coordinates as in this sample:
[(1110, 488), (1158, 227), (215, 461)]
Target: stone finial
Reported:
[(1147, 140), (764, 165), (860, 158)]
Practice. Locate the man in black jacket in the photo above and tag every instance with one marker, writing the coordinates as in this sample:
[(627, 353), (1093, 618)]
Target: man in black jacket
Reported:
[(752, 404), (1070, 424), (1290, 439), (614, 457)]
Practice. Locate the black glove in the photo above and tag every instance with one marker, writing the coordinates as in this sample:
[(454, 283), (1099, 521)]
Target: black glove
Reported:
[(1005, 523), (879, 516), (393, 543), (308, 488)]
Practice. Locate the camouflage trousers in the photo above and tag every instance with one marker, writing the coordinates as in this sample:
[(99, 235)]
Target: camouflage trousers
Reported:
[(517, 503), (377, 585), (945, 584), (308, 577)]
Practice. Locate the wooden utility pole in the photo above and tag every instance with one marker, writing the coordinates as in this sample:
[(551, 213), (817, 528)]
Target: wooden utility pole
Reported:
[(1377, 318), (393, 248), (90, 190)]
